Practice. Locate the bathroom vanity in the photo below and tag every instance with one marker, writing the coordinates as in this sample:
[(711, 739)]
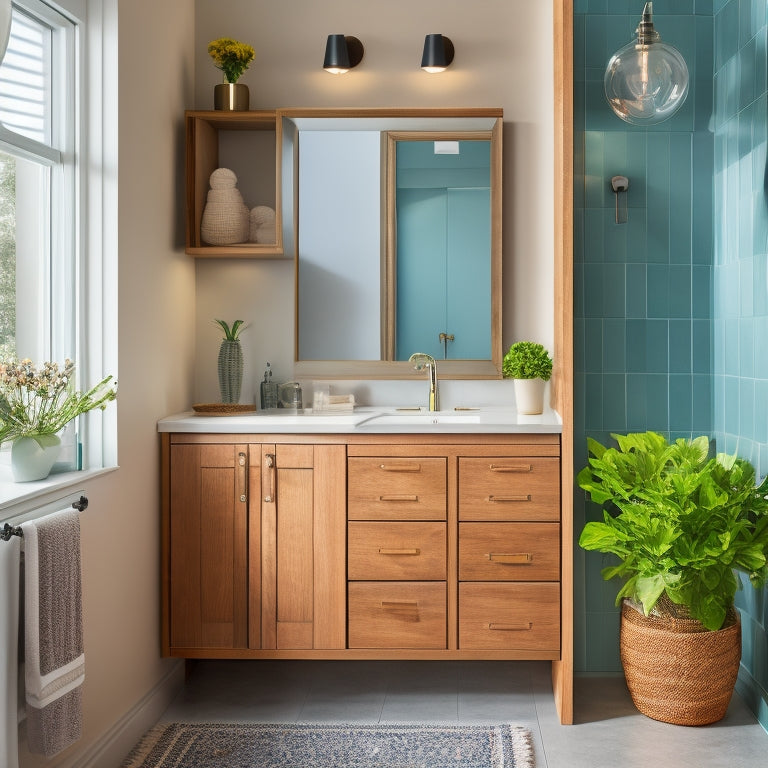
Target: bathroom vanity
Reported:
[(372, 536)]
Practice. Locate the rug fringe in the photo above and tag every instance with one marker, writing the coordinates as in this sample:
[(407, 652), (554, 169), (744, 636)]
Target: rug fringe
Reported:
[(138, 755), (523, 741)]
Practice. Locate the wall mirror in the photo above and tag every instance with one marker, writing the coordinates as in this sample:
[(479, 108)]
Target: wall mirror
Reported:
[(396, 218)]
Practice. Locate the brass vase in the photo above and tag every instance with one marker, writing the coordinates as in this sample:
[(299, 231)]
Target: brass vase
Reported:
[(231, 97)]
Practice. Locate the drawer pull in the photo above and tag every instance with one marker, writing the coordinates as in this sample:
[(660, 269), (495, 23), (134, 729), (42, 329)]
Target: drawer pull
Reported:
[(504, 499), (514, 558), (399, 497), (269, 463), (399, 603), (386, 551), (511, 627), (511, 468), (242, 477), (400, 467)]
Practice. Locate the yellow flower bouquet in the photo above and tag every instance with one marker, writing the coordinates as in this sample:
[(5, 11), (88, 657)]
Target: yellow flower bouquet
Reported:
[(231, 57)]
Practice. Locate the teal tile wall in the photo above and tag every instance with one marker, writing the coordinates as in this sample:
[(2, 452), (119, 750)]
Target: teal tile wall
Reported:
[(740, 279), (643, 289), (671, 308)]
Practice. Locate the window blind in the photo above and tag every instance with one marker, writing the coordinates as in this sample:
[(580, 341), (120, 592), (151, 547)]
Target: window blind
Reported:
[(25, 78)]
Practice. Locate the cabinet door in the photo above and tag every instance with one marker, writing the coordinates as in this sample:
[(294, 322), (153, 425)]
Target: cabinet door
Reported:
[(208, 547), (303, 521)]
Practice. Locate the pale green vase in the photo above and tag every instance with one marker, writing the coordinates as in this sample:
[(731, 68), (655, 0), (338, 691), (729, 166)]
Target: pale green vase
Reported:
[(230, 370), (33, 457)]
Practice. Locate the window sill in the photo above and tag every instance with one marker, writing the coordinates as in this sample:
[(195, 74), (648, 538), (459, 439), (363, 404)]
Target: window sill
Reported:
[(20, 498)]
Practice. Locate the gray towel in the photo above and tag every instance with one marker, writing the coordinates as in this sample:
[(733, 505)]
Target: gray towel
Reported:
[(10, 557), (53, 632)]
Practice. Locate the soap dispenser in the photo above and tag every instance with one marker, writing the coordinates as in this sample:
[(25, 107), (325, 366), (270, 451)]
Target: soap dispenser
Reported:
[(268, 390)]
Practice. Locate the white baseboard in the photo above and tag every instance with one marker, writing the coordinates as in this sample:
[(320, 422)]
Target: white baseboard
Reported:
[(113, 746)]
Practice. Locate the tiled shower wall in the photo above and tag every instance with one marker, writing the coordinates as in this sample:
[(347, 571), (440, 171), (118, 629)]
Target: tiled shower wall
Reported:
[(740, 315), (643, 314), (671, 307)]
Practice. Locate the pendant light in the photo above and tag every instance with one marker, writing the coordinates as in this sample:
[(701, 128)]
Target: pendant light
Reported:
[(646, 81)]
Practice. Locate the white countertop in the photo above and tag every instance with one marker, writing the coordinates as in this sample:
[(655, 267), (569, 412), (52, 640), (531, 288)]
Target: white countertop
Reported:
[(369, 420)]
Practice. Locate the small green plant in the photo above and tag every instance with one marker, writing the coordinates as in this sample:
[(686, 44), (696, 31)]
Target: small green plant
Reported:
[(233, 333), (679, 522), (231, 57), (527, 360)]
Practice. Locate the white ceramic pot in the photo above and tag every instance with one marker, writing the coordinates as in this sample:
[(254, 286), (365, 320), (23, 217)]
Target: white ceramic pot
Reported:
[(33, 457), (529, 396)]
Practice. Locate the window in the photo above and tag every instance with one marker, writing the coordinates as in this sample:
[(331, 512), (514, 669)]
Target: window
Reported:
[(38, 201), (44, 171)]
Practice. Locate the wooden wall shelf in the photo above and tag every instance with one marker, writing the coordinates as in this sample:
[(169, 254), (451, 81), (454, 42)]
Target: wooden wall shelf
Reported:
[(249, 143)]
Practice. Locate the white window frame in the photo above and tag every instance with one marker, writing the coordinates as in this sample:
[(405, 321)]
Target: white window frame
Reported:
[(93, 148)]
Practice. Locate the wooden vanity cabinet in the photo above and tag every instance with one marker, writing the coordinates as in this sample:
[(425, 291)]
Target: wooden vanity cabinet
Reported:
[(352, 546), (207, 547), (253, 547)]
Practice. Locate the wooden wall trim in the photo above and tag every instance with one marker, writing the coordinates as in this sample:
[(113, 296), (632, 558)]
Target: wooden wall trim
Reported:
[(562, 379)]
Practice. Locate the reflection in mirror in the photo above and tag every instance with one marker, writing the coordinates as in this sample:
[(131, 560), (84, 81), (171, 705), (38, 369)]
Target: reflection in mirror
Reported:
[(367, 295), (339, 283), (442, 251)]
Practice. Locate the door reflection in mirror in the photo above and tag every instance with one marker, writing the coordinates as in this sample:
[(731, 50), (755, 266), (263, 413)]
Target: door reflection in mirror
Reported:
[(443, 251)]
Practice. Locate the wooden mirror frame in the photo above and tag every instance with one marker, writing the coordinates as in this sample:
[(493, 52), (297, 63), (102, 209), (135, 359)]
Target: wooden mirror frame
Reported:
[(451, 120)]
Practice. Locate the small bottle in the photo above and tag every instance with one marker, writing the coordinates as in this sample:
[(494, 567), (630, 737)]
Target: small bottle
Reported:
[(268, 390)]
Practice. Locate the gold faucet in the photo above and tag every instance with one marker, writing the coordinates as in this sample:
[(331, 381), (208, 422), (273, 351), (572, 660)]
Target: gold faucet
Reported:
[(421, 360)]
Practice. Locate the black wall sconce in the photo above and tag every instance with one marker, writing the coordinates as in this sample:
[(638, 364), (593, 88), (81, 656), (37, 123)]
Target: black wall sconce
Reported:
[(342, 53), (438, 53)]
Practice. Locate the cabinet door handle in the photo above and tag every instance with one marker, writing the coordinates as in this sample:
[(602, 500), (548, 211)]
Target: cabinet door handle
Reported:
[(525, 627), (387, 551), (399, 603), (504, 499), (400, 467), (511, 468), (269, 460), (399, 497), (512, 558), (242, 476)]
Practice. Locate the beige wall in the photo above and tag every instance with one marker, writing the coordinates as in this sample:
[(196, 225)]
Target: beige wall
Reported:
[(167, 343), (504, 58), (120, 529)]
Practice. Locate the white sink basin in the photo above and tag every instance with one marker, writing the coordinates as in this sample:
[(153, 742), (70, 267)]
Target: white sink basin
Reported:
[(275, 419), (406, 419)]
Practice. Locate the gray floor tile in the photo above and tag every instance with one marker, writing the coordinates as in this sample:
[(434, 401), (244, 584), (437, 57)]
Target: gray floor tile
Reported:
[(608, 731)]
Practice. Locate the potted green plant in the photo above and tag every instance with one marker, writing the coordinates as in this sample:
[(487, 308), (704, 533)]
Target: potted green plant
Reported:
[(679, 523), (35, 405), (232, 58), (530, 365)]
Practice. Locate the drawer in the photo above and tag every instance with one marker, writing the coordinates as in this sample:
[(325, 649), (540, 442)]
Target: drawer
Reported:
[(396, 488), (397, 614), (509, 551), (396, 551), (509, 488), (509, 617)]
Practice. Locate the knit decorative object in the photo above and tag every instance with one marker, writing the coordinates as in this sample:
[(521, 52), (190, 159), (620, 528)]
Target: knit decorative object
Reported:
[(262, 221), (225, 216), (230, 370)]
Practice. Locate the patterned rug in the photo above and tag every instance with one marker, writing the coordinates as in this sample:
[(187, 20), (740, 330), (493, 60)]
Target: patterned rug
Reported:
[(308, 745)]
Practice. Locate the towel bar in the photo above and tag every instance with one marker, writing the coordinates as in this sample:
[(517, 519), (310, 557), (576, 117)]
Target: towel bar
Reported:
[(15, 530)]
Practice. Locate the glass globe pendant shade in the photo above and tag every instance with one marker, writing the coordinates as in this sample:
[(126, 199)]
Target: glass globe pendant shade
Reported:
[(646, 81)]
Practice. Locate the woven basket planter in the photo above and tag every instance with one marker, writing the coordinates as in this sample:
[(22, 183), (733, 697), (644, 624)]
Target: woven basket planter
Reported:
[(677, 671)]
